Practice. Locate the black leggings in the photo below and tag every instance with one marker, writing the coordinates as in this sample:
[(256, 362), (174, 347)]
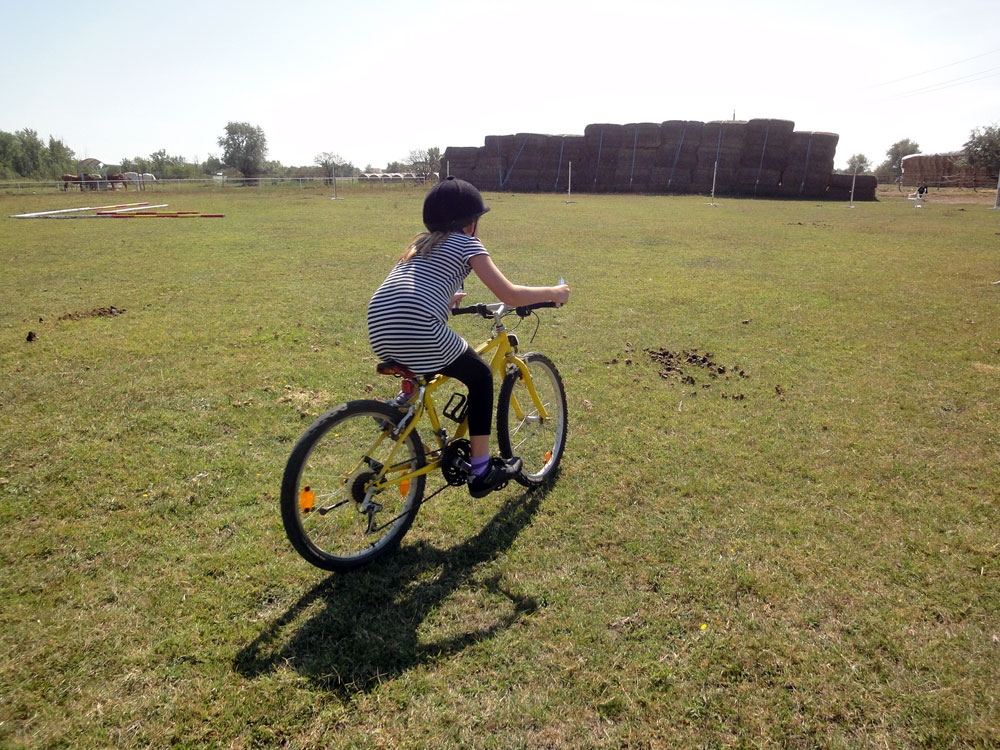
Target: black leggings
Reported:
[(476, 375)]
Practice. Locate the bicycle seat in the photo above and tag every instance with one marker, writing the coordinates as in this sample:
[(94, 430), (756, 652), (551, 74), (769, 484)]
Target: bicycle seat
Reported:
[(391, 367)]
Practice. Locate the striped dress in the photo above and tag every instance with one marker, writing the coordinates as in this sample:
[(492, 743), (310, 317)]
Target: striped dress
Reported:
[(408, 314)]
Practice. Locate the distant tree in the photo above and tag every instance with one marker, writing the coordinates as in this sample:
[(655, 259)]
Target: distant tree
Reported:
[(160, 162), (9, 149), (276, 169), (425, 162), (59, 159), (395, 166), (332, 165), (244, 148), (28, 162), (138, 164), (982, 150), (172, 167), (891, 168), (858, 163), (212, 165)]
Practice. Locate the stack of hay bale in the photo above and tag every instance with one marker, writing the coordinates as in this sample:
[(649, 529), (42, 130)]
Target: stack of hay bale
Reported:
[(759, 158), (944, 170)]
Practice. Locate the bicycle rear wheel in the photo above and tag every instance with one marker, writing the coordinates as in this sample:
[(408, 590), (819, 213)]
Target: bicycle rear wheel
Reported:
[(332, 516), (521, 431)]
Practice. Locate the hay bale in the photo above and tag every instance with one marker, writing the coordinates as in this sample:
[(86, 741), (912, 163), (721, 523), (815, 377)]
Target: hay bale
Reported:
[(603, 142), (461, 160), (499, 153), (944, 170), (839, 188), (565, 150), (757, 183), (810, 164), (838, 180), (677, 156), (767, 143), (536, 164), (642, 135), (722, 141), (865, 187), (719, 156), (759, 157), (604, 136), (522, 181), (679, 148)]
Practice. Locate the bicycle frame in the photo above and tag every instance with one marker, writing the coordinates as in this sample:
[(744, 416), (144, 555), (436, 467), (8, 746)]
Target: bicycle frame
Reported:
[(500, 350), (340, 509)]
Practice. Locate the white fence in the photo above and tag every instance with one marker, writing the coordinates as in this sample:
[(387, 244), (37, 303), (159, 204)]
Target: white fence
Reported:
[(216, 183)]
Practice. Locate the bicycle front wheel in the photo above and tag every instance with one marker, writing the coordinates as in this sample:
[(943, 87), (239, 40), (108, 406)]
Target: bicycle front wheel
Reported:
[(334, 515), (522, 430)]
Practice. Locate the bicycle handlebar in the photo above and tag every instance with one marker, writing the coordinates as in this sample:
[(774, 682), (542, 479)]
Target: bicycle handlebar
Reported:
[(488, 311)]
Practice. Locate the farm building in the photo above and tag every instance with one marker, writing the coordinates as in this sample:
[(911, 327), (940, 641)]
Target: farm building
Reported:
[(759, 158)]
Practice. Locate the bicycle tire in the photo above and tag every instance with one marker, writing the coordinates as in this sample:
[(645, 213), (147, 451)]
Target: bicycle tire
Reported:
[(538, 444), (325, 482)]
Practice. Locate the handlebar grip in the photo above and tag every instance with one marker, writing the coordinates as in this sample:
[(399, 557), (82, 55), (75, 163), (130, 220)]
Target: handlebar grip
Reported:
[(525, 310), (477, 309)]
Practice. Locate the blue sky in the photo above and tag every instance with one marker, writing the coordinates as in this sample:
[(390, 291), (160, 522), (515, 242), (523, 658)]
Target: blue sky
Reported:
[(373, 81)]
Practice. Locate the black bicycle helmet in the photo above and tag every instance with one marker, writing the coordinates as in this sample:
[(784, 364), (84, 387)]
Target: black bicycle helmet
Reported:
[(452, 204)]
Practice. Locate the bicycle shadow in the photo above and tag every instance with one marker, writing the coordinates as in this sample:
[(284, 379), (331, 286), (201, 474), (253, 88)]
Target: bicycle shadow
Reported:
[(351, 632)]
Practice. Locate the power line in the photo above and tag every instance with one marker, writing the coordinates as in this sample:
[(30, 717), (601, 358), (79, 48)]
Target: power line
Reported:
[(952, 83), (934, 70)]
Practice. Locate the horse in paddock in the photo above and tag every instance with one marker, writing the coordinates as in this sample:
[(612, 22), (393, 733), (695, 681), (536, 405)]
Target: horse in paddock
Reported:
[(70, 178), (139, 181), (117, 179)]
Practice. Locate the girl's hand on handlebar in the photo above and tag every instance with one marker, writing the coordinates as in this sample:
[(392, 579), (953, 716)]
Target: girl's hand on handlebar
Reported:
[(560, 294), (457, 298)]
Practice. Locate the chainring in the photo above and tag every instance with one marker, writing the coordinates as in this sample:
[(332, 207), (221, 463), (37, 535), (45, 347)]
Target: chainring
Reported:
[(456, 455)]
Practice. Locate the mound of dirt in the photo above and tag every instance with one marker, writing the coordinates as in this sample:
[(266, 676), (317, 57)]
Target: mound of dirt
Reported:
[(97, 312), (680, 365)]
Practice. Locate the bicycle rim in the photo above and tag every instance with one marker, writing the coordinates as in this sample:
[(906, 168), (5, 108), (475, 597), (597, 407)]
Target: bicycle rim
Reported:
[(332, 516), (521, 431)]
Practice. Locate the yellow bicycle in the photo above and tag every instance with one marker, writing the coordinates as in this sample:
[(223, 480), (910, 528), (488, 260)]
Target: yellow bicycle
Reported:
[(355, 479)]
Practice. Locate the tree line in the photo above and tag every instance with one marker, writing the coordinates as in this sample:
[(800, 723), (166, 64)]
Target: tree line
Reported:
[(25, 156)]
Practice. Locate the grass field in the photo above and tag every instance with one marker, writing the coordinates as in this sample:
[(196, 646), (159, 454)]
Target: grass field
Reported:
[(776, 522)]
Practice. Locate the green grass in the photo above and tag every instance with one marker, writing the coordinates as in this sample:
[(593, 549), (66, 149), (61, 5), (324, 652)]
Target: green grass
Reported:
[(805, 555)]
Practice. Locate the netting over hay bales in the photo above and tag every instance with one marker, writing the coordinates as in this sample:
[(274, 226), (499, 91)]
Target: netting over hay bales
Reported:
[(944, 170), (760, 158)]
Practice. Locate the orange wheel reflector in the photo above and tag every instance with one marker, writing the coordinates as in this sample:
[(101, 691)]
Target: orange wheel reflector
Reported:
[(548, 456), (307, 499), (404, 488)]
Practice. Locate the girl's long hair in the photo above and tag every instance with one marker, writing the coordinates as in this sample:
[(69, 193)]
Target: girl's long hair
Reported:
[(423, 244)]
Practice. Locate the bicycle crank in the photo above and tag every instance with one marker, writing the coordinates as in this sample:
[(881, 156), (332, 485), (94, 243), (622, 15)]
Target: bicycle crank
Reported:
[(456, 462)]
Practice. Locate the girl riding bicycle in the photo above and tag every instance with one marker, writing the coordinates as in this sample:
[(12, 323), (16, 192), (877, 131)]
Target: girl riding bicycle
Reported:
[(408, 314)]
